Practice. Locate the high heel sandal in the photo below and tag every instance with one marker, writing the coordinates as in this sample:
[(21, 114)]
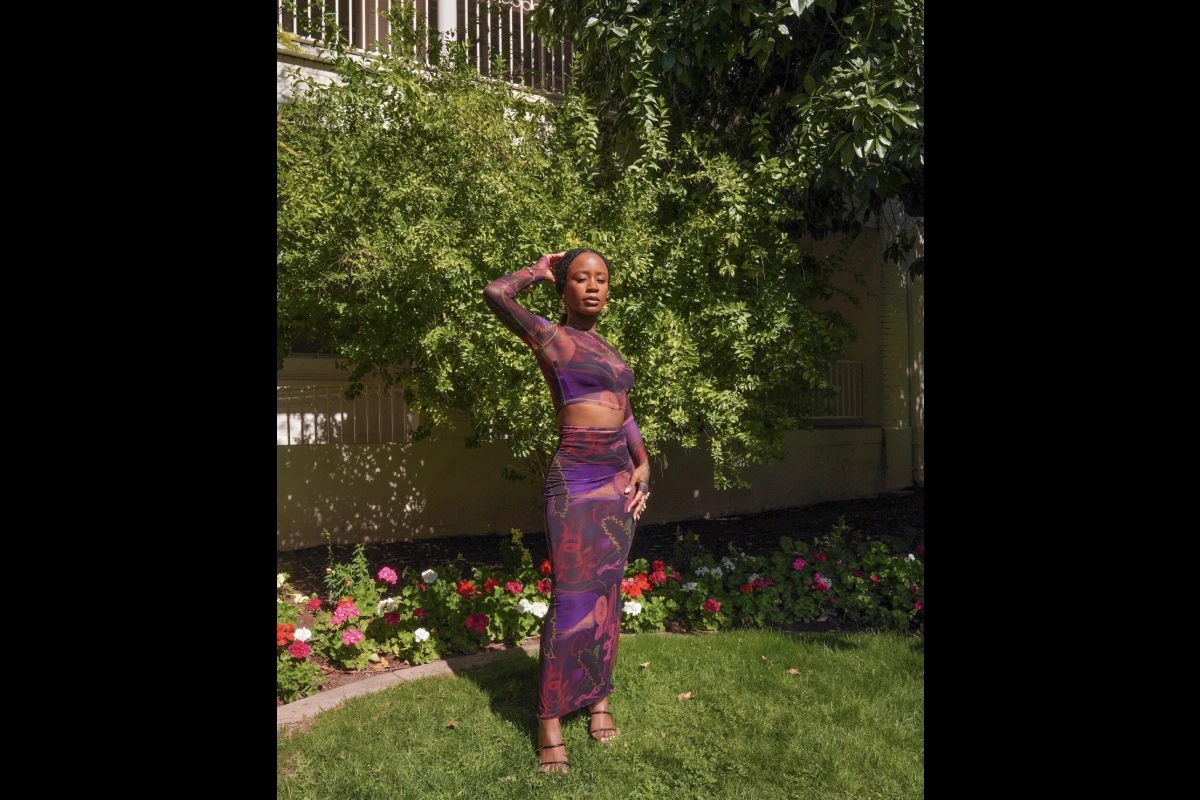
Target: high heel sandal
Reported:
[(543, 764), (593, 733)]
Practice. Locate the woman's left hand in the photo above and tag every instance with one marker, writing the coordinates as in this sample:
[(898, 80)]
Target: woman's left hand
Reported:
[(637, 491)]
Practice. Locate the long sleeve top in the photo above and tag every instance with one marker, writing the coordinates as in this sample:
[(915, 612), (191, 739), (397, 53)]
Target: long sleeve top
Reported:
[(579, 366)]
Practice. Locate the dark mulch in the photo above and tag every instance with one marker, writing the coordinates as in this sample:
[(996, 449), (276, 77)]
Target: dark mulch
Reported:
[(899, 518)]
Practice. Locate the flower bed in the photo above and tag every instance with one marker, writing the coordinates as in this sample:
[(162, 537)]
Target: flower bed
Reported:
[(365, 619)]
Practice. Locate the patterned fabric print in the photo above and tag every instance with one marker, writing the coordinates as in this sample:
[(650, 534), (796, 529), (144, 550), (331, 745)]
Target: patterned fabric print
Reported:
[(589, 535)]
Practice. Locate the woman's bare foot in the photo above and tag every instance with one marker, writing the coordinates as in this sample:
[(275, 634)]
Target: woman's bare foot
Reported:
[(600, 724), (551, 754)]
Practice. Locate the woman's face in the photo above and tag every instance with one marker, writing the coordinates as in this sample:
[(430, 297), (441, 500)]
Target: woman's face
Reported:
[(586, 287)]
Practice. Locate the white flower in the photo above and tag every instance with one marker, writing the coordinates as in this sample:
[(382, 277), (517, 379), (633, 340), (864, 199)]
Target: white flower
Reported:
[(303, 634), (729, 565), (420, 634), (524, 605), (633, 607), (910, 557), (429, 576), (688, 587), (715, 572), (280, 579), (753, 578), (701, 570), (538, 609), (387, 602), (300, 599)]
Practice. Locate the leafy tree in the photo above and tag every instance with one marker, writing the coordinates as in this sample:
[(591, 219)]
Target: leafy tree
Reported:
[(403, 192)]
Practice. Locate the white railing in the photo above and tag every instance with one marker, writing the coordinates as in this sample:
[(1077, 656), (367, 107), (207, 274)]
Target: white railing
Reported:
[(489, 27), (319, 413), (847, 402)]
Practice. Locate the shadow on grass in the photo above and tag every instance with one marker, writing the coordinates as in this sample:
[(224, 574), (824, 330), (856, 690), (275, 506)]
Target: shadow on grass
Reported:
[(511, 686)]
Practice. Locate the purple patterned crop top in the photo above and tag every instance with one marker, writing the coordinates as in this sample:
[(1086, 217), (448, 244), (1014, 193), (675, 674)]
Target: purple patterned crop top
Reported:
[(579, 366)]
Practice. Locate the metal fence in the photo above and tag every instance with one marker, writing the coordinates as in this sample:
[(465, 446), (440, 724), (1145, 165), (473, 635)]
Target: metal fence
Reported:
[(316, 414), (489, 27), (847, 402)]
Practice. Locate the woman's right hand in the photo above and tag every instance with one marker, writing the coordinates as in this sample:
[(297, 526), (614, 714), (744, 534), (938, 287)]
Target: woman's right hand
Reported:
[(547, 266)]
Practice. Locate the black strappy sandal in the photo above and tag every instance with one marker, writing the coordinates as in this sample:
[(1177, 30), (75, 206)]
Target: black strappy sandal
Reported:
[(592, 733), (541, 764)]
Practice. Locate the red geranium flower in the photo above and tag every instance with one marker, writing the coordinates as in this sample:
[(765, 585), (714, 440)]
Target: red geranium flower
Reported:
[(300, 649), (314, 604), (712, 605), (658, 566), (918, 605), (465, 589), (545, 568), (658, 577), (544, 586), (489, 584), (391, 618), (284, 633), (513, 587), (420, 613), (629, 587), (820, 557), (914, 588), (921, 549), (477, 623), (858, 573), (643, 581), (770, 582), (874, 578), (746, 588), (759, 583)]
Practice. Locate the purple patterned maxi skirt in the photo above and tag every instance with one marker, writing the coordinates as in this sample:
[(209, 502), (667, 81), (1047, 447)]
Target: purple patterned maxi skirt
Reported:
[(589, 534)]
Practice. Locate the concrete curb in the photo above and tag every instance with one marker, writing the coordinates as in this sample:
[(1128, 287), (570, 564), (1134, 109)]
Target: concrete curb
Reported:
[(307, 708)]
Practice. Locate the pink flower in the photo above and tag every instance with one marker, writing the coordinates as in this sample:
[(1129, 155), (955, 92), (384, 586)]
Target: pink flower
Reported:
[(711, 605), (300, 649), (914, 588), (918, 605), (770, 582), (344, 611), (387, 574), (838, 561), (746, 588), (420, 613), (477, 623), (759, 583), (874, 578), (821, 557), (858, 573), (352, 637), (821, 583), (799, 564), (391, 618), (513, 587), (421, 586), (543, 586), (314, 604), (658, 577), (921, 549)]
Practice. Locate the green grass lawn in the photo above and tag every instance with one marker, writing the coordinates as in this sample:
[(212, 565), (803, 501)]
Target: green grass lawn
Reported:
[(850, 725)]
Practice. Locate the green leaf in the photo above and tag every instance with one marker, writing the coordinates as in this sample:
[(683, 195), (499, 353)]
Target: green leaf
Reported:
[(668, 60), (810, 85), (907, 120), (591, 21), (841, 142)]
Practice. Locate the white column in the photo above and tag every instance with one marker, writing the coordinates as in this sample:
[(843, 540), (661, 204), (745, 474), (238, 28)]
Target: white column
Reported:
[(447, 18)]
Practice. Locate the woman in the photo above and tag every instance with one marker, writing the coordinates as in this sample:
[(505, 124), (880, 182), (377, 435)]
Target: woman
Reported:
[(596, 489)]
